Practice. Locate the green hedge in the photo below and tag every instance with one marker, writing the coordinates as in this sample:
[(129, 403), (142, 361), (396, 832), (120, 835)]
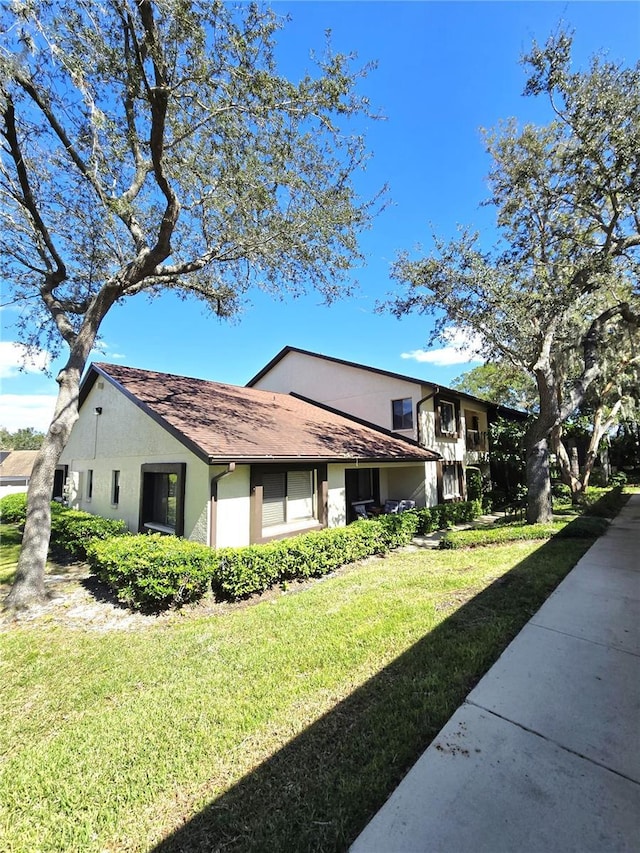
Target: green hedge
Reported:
[(152, 571), (13, 508), (73, 530), (157, 571)]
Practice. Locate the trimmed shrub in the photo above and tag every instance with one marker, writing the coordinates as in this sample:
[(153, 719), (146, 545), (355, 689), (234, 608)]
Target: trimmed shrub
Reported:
[(399, 528), (157, 571), (607, 504), (153, 571), (584, 527), (13, 508), (513, 532), (73, 530), (579, 528), (241, 572)]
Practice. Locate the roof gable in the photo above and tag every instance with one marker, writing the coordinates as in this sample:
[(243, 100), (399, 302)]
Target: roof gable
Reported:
[(222, 422), (496, 407)]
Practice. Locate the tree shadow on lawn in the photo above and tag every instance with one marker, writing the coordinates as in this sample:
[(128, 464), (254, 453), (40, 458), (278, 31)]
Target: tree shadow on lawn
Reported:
[(319, 791)]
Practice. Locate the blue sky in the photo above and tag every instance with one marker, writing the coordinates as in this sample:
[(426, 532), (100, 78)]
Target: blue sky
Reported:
[(445, 69)]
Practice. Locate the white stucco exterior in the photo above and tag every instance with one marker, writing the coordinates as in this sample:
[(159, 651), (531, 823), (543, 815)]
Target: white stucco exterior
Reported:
[(123, 438), (223, 503), (233, 527), (349, 389)]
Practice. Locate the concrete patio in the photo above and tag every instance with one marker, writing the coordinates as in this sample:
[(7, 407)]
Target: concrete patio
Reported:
[(544, 754)]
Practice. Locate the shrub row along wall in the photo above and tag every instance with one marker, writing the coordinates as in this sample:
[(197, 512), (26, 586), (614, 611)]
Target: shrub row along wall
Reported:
[(159, 571), (71, 530)]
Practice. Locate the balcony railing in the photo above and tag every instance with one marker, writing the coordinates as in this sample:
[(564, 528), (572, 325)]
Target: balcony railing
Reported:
[(477, 441)]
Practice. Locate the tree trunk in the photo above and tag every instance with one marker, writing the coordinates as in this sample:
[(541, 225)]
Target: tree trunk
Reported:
[(28, 589), (539, 507), (601, 427), (569, 468)]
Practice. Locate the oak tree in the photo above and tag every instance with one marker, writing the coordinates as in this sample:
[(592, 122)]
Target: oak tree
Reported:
[(564, 277), (152, 145)]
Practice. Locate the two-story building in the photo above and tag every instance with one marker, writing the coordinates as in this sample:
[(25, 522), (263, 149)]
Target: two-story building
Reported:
[(308, 443), (453, 424)]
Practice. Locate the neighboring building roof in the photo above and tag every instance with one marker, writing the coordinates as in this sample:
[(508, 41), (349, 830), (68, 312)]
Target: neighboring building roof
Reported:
[(222, 423), (498, 408), (18, 463)]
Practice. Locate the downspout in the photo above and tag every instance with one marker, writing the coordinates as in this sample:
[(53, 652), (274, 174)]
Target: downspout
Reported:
[(231, 467), (436, 390)]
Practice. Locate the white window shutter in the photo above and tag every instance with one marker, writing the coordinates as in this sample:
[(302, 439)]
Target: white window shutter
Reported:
[(299, 495)]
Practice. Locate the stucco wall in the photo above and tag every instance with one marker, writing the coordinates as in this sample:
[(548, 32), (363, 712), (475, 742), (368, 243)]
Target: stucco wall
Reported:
[(233, 507), (408, 483), (336, 491), (353, 390), (123, 438)]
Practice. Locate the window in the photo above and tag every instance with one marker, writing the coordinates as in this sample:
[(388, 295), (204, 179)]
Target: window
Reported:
[(162, 499), (450, 485), (446, 418), (287, 499), (59, 482), (287, 496), (402, 413), (115, 487), (476, 440), (89, 484)]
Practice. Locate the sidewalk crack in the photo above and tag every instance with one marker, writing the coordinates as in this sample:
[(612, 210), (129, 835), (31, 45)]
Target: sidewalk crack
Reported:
[(556, 743)]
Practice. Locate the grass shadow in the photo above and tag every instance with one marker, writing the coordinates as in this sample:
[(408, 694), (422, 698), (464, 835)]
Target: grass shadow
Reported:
[(319, 790)]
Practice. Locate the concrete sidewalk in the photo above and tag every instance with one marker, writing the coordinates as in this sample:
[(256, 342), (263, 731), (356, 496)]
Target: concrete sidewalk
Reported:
[(544, 755)]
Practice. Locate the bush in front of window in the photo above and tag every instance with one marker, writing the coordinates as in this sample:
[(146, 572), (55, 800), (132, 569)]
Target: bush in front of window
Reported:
[(159, 571), (242, 572), (73, 530)]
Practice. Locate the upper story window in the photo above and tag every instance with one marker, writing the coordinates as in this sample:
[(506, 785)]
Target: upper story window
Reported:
[(447, 419), (402, 413)]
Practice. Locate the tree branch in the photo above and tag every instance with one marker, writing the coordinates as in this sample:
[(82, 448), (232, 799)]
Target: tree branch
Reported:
[(27, 199), (42, 103)]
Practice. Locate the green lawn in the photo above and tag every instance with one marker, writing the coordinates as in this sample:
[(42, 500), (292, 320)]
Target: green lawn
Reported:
[(9, 550), (278, 727)]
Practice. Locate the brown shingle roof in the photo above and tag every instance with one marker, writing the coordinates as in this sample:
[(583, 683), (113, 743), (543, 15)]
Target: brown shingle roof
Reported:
[(227, 422), (18, 463)]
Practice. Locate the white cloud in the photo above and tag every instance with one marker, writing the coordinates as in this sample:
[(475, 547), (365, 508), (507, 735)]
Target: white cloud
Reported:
[(461, 349), (18, 411), (14, 356), (103, 349)]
